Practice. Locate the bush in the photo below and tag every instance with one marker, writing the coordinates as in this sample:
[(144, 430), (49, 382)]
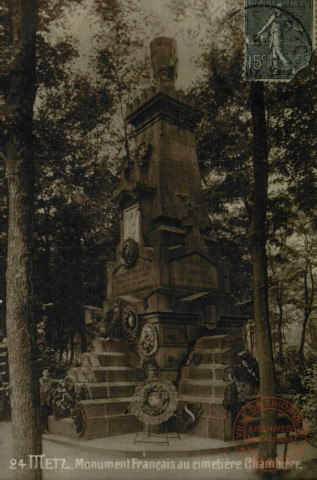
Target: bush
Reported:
[(291, 377), (307, 401)]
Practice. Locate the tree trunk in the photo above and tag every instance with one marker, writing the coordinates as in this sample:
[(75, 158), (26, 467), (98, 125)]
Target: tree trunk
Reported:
[(19, 100), (72, 349), (280, 333), (257, 245), (303, 336), (307, 311), (306, 318)]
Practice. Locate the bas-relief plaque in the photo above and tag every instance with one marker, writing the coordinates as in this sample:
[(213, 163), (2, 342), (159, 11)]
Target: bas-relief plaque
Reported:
[(194, 270), (131, 223)]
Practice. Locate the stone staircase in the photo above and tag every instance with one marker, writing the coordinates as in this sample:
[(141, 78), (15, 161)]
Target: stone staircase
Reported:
[(110, 381), (206, 383)]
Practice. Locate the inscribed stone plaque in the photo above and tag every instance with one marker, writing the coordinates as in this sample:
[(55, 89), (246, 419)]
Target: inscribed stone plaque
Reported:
[(278, 38), (194, 271), (131, 223), (137, 278), (173, 335)]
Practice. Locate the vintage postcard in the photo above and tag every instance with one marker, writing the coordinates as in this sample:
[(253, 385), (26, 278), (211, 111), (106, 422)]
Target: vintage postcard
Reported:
[(158, 263)]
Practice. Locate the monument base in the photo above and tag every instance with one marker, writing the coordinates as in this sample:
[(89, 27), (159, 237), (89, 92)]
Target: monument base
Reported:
[(110, 379)]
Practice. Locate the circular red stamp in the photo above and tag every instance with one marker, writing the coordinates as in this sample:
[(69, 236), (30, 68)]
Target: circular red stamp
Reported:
[(289, 434)]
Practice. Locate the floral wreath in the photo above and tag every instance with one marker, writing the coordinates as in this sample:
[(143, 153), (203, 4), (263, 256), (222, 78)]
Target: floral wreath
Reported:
[(155, 402), (65, 397), (148, 343), (130, 324)]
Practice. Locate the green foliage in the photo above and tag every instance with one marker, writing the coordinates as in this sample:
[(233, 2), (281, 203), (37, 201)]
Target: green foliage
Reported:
[(75, 222), (47, 357), (308, 399), (118, 62), (246, 368), (80, 136), (294, 376), (224, 153), (66, 396), (52, 60), (292, 115)]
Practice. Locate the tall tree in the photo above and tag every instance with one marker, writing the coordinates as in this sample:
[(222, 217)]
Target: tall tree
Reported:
[(75, 221), (257, 247), (19, 88)]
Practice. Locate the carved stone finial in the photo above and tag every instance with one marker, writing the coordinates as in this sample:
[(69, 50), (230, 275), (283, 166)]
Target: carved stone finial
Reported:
[(164, 58)]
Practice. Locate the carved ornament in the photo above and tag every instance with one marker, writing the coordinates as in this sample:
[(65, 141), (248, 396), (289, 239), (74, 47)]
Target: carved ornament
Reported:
[(129, 252)]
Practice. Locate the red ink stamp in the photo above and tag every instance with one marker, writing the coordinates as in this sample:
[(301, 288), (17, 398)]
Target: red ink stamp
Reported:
[(289, 434)]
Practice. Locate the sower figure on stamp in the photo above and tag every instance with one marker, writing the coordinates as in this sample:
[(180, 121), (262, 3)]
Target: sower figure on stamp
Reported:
[(275, 26), (46, 384)]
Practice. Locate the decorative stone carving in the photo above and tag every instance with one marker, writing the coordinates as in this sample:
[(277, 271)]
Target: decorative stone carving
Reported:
[(148, 342), (155, 402), (195, 358), (129, 252), (130, 324), (143, 154), (126, 170), (164, 58)]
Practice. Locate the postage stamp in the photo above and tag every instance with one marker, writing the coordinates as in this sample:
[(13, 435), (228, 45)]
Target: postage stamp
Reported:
[(279, 35), (289, 434)]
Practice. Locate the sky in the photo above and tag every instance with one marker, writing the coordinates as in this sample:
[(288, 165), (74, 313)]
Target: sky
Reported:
[(189, 34)]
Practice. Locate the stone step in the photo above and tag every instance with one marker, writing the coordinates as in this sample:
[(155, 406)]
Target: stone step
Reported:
[(96, 427), (112, 359), (110, 426), (221, 356), (207, 371), (111, 389), (203, 387), (106, 406), (3, 353), (102, 374), (111, 345), (114, 374), (81, 374), (104, 359), (214, 427)]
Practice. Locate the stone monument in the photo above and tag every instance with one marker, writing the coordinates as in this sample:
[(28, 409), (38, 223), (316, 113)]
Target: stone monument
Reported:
[(167, 290)]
